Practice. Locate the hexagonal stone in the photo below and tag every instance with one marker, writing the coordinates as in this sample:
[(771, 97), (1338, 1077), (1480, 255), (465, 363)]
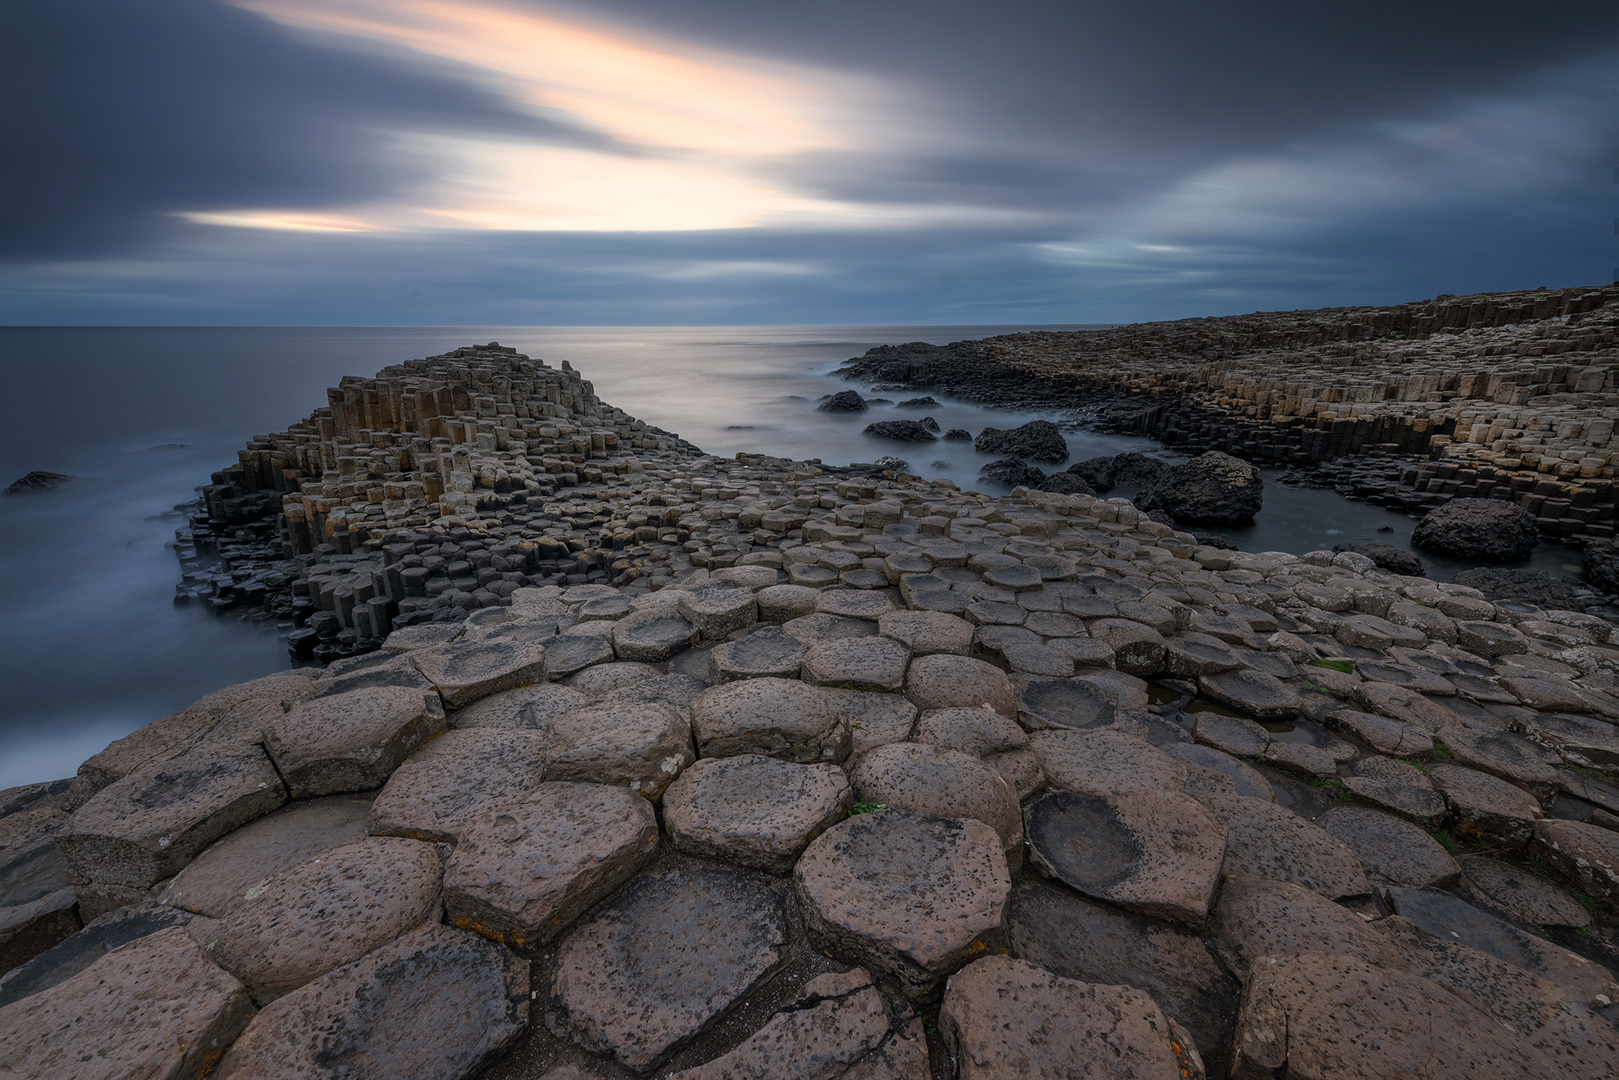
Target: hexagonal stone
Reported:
[(1158, 853), (661, 961), (950, 682), (754, 810), (945, 783), (1259, 916), (675, 690), (1590, 744), (814, 629), (145, 827), (351, 741), (570, 653), (751, 577), (1485, 805), (1421, 805), (603, 679), (1308, 1017), (221, 877), (1382, 733), (1234, 735), (1586, 853), (780, 717), (653, 636), (1137, 649), (1510, 757), (877, 664), (465, 671), (1244, 778), (1301, 758), (100, 936), (37, 902), (459, 774), (1520, 895), (1390, 850), (1105, 762), (765, 653), (1252, 693), (928, 632), (525, 870), (1187, 656), (910, 895), (528, 708), (853, 604), (871, 719), (811, 575), (327, 911), (1078, 938), (781, 603), (972, 731), (1004, 1018), (437, 1002), (1064, 703), (1264, 839), (1451, 919), (718, 610), (639, 746), (156, 1007), (1490, 639), (603, 607)]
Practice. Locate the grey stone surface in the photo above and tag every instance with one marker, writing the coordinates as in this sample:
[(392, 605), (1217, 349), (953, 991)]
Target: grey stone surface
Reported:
[(464, 671), (928, 632), (972, 731), (754, 810), (948, 682), (1486, 806), (352, 741), (1588, 854), (73, 954), (1105, 762), (38, 907), (927, 779), (1264, 839), (718, 610), (876, 664), (872, 719), (1245, 779), (1390, 850), (652, 636), (527, 708), (454, 777), (1063, 703), (767, 652), (780, 717), (1259, 917), (1234, 735), (1518, 894), (1252, 693), (639, 746)]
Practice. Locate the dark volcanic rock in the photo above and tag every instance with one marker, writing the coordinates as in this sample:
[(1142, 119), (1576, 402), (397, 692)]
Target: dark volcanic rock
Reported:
[(1601, 564), (1531, 586), (1066, 484), (1132, 470), (916, 403), (39, 481), (1387, 557), (903, 430), (957, 434), (843, 401), (1013, 473), (1038, 440), (1211, 489), (1484, 529)]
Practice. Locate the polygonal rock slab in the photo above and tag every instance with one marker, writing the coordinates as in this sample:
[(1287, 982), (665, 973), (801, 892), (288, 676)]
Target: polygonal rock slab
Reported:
[(780, 717), (652, 636), (1064, 703), (568, 654), (1105, 762), (972, 731), (603, 679), (1137, 649), (1252, 693), (457, 775), (958, 682), (1245, 779), (1587, 853), (911, 895), (638, 746), (766, 653), (145, 827), (156, 1007), (872, 719), (524, 871), (328, 911), (853, 604), (928, 632), (438, 1002), (814, 629), (1158, 853), (1520, 894), (1005, 1018), (351, 741), (671, 954), (782, 603), (1485, 805), (945, 783), (465, 671), (1259, 916), (37, 902), (1077, 938), (1264, 839), (1312, 1017), (754, 810), (219, 878), (875, 664), (1382, 733), (73, 954), (718, 610), (1510, 757), (1390, 850), (1234, 735), (528, 708)]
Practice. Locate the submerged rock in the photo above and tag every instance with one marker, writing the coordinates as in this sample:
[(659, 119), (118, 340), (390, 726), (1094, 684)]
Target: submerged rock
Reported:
[(843, 401), (902, 430), (1038, 440), (39, 480)]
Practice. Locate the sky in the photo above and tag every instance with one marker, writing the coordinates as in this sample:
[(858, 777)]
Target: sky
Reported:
[(519, 162)]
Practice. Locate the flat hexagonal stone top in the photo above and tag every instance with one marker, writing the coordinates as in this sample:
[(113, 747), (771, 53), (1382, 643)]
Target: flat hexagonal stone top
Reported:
[(139, 830), (1157, 853), (1009, 1018), (814, 629), (946, 783), (1245, 779), (718, 609), (457, 775), (465, 671), (641, 746), (853, 603), (328, 911), (877, 664), (972, 731), (1259, 916), (438, 1002), (783, 718), (351, 741), (1064, 703), (912, 895), (1389, 849), (603, 679), (1105, 762), (928, 632), (155, 1007), (525, 708), (754, 810), (660, 962), (1520, 894), (652, 636), (951, 682), (767, 652), (1263, 838), (524, 871), (570, 653), (79, 950), (1252, 693), (219, 878)]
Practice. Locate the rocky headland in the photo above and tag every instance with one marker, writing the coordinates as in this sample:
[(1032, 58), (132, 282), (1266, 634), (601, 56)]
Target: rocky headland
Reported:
[(671, 765)]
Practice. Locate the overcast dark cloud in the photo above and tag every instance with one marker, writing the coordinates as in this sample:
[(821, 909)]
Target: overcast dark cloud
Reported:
[(1021, 161)]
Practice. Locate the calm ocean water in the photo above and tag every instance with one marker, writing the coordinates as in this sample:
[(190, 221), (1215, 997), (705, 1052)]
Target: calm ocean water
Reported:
[(94, 646)]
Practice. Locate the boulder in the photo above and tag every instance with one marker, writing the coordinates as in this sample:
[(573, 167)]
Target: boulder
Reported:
[(1488, 530), (768, 652), (1601, 560), (1211, 489), (844, 401), (1065, 483), (972, 731), (1012, 472), (1105, 762), (753, 810), (901, 430), (1038, 440), (877, 664), (529, 708)]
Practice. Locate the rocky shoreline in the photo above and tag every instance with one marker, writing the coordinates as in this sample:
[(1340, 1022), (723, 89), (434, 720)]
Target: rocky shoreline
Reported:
[(671, 765)]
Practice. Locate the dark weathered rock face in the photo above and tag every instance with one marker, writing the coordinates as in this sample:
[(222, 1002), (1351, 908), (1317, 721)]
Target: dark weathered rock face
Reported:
[(902, 430), (1387, 557), (845, 401), (1482, 529), (1211, 489), (1134, 469), (39, 480), (1012, 472), (1038, 440), (1601, 560)]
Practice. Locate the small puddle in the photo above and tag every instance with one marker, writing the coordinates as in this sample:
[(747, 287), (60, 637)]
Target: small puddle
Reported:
[(1197, 705)]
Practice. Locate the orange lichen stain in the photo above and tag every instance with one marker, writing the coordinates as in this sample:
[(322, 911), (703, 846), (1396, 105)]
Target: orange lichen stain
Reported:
[(478, 928), (977, 946)]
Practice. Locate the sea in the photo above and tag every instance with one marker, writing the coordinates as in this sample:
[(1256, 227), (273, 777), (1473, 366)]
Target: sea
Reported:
[(93, 643)]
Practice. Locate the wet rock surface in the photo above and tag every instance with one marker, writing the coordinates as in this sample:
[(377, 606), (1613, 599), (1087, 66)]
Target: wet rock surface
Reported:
[(1478, 529)]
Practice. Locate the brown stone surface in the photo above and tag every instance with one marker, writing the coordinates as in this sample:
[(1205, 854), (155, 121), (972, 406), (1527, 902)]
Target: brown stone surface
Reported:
[(525, 870), (1382, 733), (327, 911), (464, 671), (876, 664), (1589, 854), (38, 907), (660, 962), (872, 719), (218, 879), (1105, 762), (928, 632), (1244, 778), (454, 777), (945, 783), (1259, 917), (528, 708), (642, 747), (438, 1002), (754, 810), (1518, 894), (1264, 839), (909, 895), (352, 741), (1486, 806), (768, 652), (156, 1007), (948, 682), (1064, 703), (1252, 693), (1390, 850), (1004, 1018), (780, 717), (972, 731)]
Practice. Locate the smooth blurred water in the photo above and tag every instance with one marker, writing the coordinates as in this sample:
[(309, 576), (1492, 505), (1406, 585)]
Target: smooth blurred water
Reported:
[(92, 644)]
